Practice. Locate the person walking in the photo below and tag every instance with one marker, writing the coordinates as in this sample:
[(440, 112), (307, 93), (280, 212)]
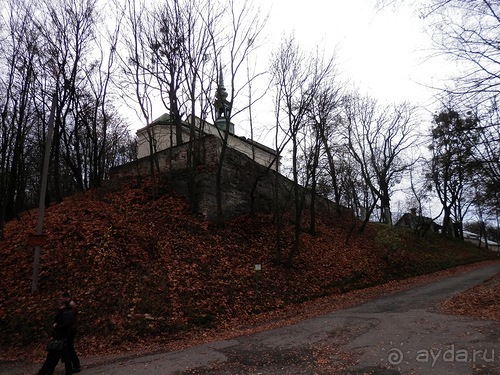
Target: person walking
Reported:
[(63, 323), (73, 357)]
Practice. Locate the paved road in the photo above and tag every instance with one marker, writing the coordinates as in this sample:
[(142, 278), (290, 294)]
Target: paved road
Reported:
[(398, 334)]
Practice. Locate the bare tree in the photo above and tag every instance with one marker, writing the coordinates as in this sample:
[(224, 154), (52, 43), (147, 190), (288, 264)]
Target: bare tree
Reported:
[(19, 54), (102, 121), (138, 74), (290, 78), (245, 25), (326, 116), (379, 140), (312, 163), (67, 31), (47, 49), (169, 29), (467, 32), (182, 44), (298, 79), (202, 24), (419, 195)]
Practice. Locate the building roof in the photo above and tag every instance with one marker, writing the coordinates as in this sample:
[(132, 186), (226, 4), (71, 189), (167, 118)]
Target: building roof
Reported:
[(164, 119)]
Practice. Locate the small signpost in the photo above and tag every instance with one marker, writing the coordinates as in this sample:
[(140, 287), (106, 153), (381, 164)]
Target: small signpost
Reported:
[(257, 268)]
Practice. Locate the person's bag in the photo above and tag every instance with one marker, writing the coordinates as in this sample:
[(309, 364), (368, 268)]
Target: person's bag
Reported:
[(54, 345)]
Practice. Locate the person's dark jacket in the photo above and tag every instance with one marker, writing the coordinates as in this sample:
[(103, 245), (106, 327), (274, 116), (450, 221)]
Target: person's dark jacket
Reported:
[(63, 323)]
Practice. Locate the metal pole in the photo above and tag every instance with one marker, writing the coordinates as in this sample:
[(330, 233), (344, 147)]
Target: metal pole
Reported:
[(43, 191)]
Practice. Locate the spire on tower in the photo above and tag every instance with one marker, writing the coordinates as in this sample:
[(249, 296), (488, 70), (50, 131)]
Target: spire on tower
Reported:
[(221, 94), (222, 105)]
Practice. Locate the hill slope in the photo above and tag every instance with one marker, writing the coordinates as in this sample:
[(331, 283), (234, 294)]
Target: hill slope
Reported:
[(144, 268)]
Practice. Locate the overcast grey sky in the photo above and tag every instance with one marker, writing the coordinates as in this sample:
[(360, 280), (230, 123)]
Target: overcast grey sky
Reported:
[(383, 51)]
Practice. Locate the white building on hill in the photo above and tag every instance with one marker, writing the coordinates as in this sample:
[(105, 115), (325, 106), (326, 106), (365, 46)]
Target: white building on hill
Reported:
[(162, 132)]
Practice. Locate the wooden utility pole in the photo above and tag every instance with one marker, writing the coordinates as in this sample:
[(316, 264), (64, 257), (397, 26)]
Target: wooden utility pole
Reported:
[(43, 191)]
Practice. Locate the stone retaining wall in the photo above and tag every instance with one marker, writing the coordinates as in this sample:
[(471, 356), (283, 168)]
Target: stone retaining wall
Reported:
[(239, 175)]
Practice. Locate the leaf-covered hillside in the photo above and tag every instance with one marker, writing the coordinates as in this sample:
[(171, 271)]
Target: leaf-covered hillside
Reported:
[(143, 267)]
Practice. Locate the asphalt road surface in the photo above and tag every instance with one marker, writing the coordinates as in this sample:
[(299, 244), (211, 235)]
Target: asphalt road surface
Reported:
[(401, 333)]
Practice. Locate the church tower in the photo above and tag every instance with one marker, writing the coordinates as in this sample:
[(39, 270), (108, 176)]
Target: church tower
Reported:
[(222, 106)]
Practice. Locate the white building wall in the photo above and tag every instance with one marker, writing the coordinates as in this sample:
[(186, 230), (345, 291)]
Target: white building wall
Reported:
[(165, 135)]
